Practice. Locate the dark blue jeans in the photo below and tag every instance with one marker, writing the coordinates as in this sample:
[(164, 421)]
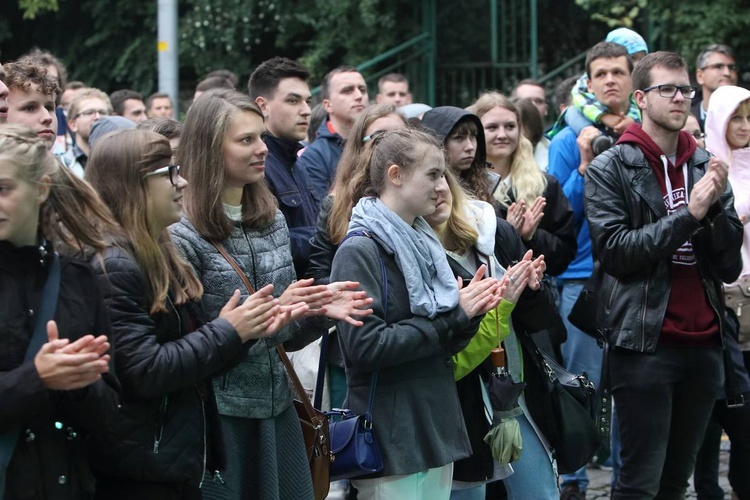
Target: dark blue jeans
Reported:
[(664, 401)]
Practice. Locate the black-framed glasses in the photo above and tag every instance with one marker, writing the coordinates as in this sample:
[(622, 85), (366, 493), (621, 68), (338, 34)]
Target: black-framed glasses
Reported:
[(172, 170), (668, 90), (91, 112), (720, 66)]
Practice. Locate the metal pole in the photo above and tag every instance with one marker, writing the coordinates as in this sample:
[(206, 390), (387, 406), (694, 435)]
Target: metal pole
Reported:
[(534, 42), (493, 32), (167, 49)]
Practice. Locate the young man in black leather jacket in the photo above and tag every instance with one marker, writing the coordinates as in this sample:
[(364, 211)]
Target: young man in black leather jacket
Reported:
[(664, 228)]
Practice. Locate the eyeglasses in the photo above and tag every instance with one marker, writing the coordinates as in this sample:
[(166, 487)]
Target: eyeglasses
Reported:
[(720, 66), (669, 91), (172, 170), (91, 112)]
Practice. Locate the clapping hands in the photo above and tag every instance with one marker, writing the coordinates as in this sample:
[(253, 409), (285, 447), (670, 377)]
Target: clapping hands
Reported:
[(65, 366)]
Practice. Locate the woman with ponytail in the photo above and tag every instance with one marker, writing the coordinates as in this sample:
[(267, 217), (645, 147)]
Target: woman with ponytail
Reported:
[(422, 316), (55, 379)]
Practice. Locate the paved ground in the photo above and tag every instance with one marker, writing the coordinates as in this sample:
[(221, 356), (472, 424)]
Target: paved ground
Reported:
[(600, 480), (599, 488)]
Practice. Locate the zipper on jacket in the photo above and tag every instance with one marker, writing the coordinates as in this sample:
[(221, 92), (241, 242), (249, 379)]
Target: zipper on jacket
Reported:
[(165, 400), (159, 431), (645, 295), (205, 442)]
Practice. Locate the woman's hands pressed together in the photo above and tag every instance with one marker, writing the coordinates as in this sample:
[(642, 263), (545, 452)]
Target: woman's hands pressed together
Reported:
[(65, 366), (480, 295), (260, 315)]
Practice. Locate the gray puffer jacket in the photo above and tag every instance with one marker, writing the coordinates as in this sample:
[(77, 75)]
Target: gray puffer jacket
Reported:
[(257, 386)]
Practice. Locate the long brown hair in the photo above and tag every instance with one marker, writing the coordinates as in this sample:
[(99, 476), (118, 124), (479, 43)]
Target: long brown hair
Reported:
[(116, 168), (201, 155), (352, 173), (73, 217)]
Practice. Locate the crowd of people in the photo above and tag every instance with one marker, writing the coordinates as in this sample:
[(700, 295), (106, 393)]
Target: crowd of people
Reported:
[(154, 272)]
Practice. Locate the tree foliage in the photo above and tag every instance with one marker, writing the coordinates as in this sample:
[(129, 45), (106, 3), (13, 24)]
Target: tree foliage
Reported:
[(684, 27)]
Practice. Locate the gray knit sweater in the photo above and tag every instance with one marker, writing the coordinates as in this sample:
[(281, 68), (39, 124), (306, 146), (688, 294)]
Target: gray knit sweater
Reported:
[(257, 387)]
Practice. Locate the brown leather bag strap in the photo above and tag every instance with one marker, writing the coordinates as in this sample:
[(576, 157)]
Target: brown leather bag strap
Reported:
[(282, 353)]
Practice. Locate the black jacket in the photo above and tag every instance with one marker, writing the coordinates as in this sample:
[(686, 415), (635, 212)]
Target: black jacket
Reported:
[(535, 313), (291, 186), (49, 460), (556, 235), (166, 429), (634, 239)]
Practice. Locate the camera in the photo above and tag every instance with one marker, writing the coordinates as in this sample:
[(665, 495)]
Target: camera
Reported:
[(601, 143)]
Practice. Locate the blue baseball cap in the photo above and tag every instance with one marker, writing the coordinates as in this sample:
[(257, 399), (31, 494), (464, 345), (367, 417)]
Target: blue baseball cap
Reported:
[(629, 39)]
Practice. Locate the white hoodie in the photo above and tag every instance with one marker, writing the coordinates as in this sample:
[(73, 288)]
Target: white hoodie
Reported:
[(721, 107)]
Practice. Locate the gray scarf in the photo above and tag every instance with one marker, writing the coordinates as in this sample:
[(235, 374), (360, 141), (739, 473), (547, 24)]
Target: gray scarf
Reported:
[(419, 255)]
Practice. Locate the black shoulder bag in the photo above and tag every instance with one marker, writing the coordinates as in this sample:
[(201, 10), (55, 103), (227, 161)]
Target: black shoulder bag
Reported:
[(563, 406), (355, 452)]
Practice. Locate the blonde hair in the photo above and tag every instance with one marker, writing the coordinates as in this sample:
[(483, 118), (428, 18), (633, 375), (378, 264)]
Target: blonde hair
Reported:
[(89, 93), (73, 217), (527, 181), (458, 230)]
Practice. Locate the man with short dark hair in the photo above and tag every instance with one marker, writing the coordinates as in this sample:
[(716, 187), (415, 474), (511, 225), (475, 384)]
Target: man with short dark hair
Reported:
[(666, 234), (532, 90), (344, 94), (608, 66), (159, 105), (714, 68), (129, 104), (279, 86), (393, 88)]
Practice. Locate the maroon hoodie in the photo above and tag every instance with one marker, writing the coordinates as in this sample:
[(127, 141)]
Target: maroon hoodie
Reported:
[(689, 320)]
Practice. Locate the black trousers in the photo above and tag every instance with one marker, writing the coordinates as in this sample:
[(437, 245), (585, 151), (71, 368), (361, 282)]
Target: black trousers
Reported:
[(664, 401), (736, 423)]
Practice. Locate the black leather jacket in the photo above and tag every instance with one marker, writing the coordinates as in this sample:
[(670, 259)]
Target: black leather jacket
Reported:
[(634, 239)]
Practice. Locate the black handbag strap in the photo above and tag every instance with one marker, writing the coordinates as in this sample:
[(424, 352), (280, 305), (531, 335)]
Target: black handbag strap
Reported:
[(324, 342), (47, 309)]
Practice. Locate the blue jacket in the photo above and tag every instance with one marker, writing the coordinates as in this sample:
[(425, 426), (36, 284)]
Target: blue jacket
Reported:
[(291, 186), (320, 159), (564, 158)]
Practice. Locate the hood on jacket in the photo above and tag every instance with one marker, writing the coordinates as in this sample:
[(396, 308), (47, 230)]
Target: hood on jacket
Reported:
[(441, 120), (325, 133), (634, 134), (721, 107)]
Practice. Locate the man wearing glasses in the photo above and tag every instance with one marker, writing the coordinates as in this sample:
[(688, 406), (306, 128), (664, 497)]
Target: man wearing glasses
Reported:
[(84, 110), (664, 228), (715, 68)]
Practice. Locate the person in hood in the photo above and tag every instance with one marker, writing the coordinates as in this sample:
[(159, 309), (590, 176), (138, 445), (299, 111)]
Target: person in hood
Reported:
[(728, 135), (663, 225), (462, 136)]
